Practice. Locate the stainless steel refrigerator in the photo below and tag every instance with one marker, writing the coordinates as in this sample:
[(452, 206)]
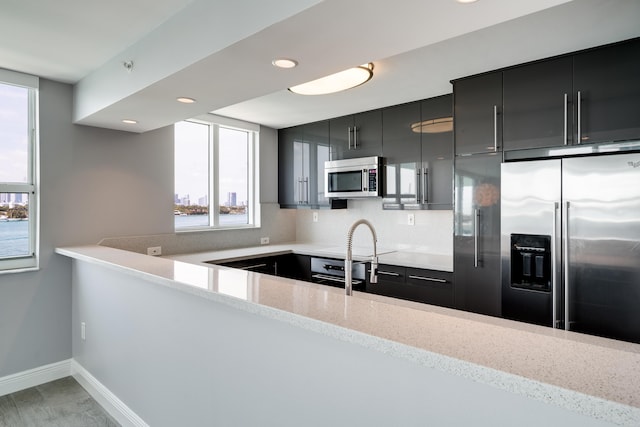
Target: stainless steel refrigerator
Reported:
[(570, 243)]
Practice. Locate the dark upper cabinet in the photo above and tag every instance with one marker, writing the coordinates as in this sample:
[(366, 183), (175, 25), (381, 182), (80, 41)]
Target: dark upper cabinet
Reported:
[(288, 171), (356, 135), (436, 180), (316, 138), (417, 140), (537, 105), (478, 112), (476, 241), (606, 82), (302, 151), (402, 155), (584, 98)]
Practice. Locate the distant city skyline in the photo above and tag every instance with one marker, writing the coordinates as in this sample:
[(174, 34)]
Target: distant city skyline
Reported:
[(192, 164)]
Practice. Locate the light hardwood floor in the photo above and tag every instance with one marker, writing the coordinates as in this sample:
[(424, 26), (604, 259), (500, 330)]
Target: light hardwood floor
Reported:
[(60, 403)]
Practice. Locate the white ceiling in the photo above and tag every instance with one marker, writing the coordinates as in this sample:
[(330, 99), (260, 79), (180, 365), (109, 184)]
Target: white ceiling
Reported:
[(220, 51)]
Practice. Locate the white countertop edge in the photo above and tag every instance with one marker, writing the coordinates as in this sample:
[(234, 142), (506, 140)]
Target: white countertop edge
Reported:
[(588, 405)]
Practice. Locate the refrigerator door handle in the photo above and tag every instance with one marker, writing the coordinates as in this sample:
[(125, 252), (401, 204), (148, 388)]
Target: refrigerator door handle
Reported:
[(476, 227), (554, 266), (565, 244)]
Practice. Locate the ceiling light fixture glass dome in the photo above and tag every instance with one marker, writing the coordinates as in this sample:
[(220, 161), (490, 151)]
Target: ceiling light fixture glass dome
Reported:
[(337, 82)]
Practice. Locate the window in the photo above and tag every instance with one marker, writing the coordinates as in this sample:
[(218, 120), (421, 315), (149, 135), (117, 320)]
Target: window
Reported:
[(215, 175), (18, 191)]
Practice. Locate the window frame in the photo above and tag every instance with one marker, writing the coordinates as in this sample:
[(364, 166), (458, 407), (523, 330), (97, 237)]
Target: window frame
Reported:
[(31, 187), (215, 123)]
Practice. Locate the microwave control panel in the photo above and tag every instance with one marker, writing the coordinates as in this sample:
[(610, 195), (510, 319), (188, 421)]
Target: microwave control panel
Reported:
[(373, 181)]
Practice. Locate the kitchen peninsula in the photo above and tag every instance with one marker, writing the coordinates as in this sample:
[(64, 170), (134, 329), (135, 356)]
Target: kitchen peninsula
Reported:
[(215, 341)]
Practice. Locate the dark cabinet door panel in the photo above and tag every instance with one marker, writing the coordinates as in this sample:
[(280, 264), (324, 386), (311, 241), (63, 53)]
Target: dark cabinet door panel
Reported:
[(476, 244), (436, 179), (608, 93), (537, 101), (402, 153), (477, 112)]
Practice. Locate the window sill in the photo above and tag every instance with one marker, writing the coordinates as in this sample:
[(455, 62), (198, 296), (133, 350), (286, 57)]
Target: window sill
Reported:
[(207, 229)]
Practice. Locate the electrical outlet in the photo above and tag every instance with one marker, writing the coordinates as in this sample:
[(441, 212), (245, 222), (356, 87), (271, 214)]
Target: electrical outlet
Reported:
[(154, 250), (83, 331), (411, 219), (264, 240), (315, 217)]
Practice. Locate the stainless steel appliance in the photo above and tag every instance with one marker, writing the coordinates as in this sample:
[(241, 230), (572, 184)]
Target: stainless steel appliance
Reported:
[(353, 178), (570, 243), (326, 271)]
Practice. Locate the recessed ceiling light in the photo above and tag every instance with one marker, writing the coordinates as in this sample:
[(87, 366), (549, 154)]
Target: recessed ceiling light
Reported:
[(185, 100), (284, 63), (129, 121), (466, 1), (337, 82)]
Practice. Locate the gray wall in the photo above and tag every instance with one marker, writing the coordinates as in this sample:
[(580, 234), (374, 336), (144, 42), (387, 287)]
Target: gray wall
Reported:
[(94, 183), (187, 360)]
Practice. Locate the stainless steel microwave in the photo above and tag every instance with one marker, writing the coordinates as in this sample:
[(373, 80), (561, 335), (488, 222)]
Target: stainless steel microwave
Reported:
[(353, 178)]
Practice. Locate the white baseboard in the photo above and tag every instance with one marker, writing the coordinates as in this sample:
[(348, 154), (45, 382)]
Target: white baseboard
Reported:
[(44, 374), (33, 377), (109, 401)]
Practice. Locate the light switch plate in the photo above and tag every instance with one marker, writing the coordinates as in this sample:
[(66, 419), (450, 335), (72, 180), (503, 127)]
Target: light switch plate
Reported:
[(411, 219)]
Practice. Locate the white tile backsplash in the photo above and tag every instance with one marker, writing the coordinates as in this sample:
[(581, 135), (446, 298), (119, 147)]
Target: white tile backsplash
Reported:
[(432, 231)]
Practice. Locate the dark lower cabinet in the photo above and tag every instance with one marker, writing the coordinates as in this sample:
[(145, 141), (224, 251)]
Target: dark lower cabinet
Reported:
[(476, 241), (291, 266), (414, 284)]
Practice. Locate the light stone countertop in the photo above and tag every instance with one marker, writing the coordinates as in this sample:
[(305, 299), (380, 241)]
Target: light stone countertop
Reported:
[(594, 376), (385, 256)]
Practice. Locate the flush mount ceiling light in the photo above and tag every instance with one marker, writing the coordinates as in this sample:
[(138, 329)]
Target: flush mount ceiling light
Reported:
[(129, 121), (185, 100), (337, 82), (284, 63), (443, 124)]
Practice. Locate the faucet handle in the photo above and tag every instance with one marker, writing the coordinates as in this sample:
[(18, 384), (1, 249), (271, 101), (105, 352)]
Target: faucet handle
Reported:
[(374, 270)]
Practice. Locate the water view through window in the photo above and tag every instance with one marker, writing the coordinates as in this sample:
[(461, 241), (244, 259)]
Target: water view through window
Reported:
[(15, 172), (212, 171)]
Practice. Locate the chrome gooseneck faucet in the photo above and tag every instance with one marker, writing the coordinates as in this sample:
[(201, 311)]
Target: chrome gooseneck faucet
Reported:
[(348, 263)]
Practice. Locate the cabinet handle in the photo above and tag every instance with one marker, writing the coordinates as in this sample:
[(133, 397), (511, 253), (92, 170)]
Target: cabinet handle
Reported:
[(566, 102), (476, 226), (428, 279), (495, 128), (554, 266), (388, 273), (565, 242), (425, 188), (306, 190), (355, 138), (251, 267), (579, 141), (349, 137), (299, 190)]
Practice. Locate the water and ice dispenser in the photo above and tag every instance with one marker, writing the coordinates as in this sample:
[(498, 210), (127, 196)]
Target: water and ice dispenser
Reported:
[(531, 262)]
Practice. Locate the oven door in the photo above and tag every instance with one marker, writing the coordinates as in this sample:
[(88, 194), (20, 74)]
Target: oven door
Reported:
[(330, 272)]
